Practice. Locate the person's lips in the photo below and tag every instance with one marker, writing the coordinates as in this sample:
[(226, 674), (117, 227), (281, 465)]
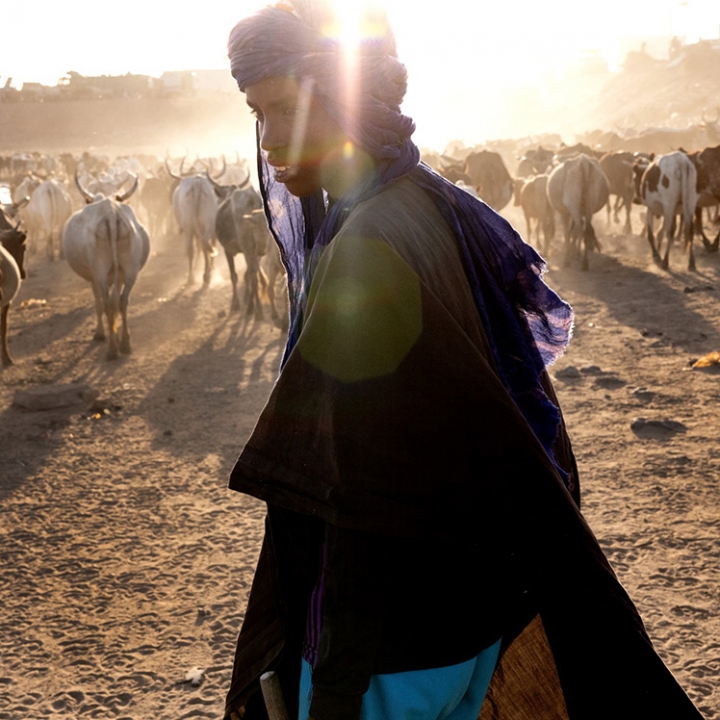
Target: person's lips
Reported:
[(284, 172)]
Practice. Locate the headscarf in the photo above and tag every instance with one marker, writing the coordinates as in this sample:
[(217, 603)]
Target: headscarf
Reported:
[(527, 324)]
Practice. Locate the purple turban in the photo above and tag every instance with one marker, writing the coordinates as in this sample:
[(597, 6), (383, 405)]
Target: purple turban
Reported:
[(527, 324), (296, 40)]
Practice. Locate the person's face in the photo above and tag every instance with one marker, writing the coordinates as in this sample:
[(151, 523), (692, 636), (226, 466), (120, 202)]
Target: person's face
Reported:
[(304, 145)]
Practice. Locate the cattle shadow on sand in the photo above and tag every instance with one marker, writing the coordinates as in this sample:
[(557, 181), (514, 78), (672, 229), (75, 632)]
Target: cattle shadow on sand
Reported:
[(649, 301), (223, 386)]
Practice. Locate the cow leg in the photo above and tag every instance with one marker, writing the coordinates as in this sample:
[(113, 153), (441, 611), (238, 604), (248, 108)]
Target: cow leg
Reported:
[(208, 256), (628, 223), (689, 233), (651, 237), (669, 237), (6, 359), (99, 335), (235, 302), (567, 222), (272, 279), (251, 288), (125, 332), (589, 242), (529, 226), (111, 310), (710, 247), (618, 205), (190, 250), (49, 246)]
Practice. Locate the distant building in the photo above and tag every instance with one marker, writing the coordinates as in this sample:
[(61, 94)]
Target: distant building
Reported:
[(178, 82), (656, 46), (75, 85), (215, 81)]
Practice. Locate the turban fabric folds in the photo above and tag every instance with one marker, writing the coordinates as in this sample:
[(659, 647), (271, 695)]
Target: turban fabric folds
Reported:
[(527, 324)]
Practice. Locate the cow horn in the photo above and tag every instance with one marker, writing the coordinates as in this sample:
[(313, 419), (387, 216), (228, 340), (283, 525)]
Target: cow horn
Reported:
[(88, 197), (209, 177), (125, 196), (171, 173), (224, 167), (246, 181)]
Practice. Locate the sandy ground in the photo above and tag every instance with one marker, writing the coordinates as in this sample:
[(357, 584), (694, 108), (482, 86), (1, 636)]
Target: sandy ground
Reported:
[(126, 562)]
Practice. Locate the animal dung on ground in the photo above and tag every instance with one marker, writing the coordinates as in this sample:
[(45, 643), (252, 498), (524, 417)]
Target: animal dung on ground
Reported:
[(656, 429), (642, 394), (50, 397), (568, 373), (609, 383)]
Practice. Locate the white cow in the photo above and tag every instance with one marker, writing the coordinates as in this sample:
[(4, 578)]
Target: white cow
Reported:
[(668, 187), (106, 245), (12, 271), (578, 189), (47, 212), (26, 188), (195, 206)]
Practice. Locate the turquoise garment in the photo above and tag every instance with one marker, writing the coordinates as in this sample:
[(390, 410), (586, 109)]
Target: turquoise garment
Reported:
[(455, 692)]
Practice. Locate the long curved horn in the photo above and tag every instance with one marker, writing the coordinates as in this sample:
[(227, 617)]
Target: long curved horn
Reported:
[(88, 197), (125, 196), (246, 181), (171, 173), (212, 168), (214, 184), (224, 167)]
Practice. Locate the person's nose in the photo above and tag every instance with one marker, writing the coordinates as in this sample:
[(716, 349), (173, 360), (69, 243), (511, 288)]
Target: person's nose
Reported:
[(271, 136)]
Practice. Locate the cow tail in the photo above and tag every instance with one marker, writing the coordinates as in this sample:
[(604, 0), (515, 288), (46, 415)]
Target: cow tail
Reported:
[(586, 207), (113, 226), (689, 201)]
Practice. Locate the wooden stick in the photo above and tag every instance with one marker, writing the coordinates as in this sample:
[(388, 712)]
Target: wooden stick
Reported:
[(272, 694)]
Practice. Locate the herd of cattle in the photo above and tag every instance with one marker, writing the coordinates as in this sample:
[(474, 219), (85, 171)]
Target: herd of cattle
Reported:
[(89, 210), (575, 182), (105, 243)]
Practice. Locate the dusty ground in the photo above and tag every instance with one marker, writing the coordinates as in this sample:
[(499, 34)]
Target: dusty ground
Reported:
[(126, 562)]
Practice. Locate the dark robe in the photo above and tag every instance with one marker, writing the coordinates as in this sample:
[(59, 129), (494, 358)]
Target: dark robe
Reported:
[(389, 420)]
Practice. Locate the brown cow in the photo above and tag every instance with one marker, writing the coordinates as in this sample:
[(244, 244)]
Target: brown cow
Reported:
[(618, 169), (531, 195), (490, 178)]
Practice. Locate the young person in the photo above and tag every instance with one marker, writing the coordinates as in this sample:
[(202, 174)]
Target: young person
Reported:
[(424, 554)]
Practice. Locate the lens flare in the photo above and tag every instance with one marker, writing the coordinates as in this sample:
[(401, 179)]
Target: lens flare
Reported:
[(301, 119)]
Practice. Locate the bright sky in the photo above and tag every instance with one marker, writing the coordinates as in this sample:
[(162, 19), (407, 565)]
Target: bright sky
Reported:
[(462, 55)]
